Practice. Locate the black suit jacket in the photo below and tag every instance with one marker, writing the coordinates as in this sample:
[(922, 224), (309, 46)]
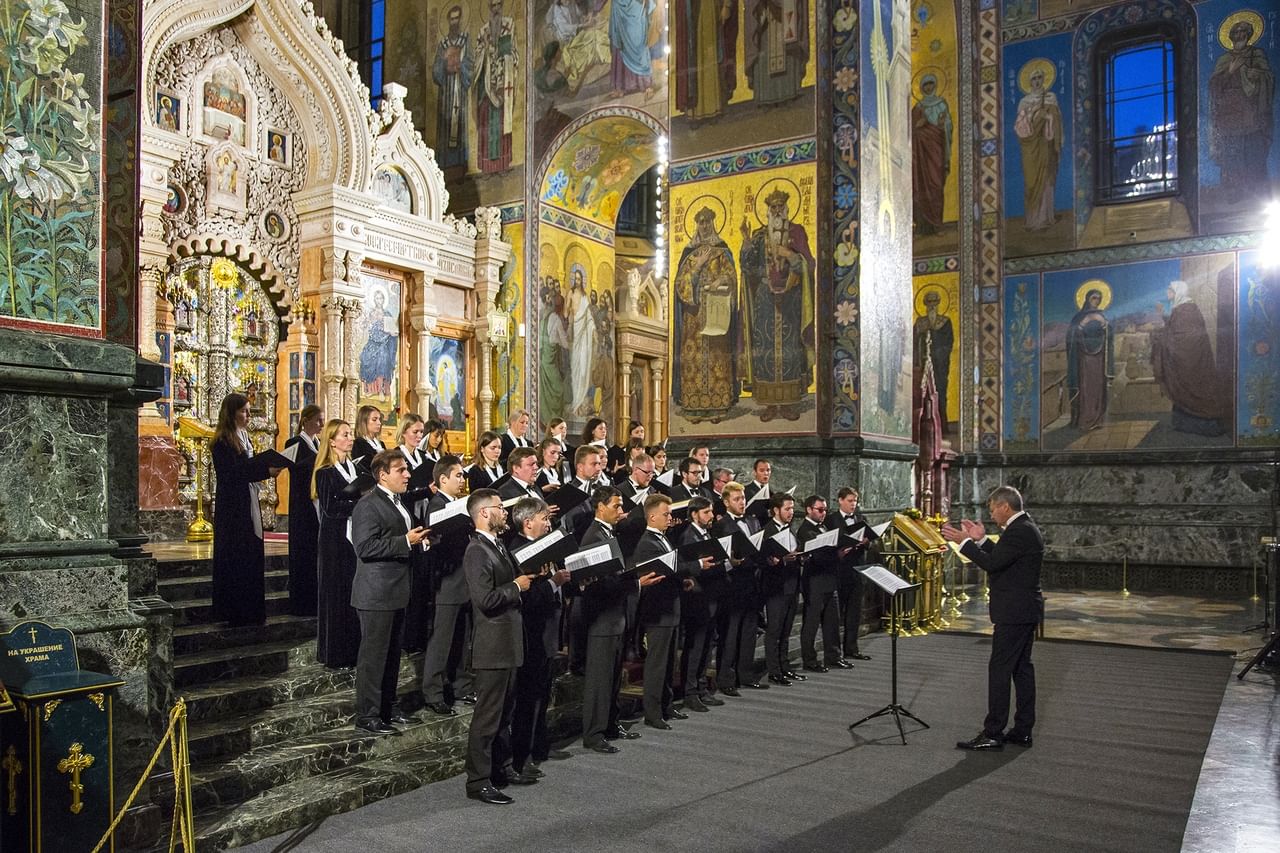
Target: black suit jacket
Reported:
[(660, 603), (362, 451), (382, 554), (780, 579), (858, 556), (512, 489), (540, 608), (498, 642), (743, 578), (604, 601), (820, 567), (681, 492), (445, 557), (479, 477), (1013, 571), (711, 581)]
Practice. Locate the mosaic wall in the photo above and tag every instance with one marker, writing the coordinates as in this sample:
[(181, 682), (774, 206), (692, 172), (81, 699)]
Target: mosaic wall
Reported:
[(743, 283), (50, 166)]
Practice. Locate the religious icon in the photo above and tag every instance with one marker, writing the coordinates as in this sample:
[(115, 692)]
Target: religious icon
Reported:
[(167, 111), (1038, 127), (273, 225), (225, 106), (277, 147), (173, 203)]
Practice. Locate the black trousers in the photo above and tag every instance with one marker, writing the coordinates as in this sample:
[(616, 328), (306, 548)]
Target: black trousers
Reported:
[(529, 716), (577, 635), (737, 662), (820, 610), (699, 640), (660, 651), (448, 655), (850, 592), (378, 664), (780, 610), (600, 689), (489, 740), (1011, 663)]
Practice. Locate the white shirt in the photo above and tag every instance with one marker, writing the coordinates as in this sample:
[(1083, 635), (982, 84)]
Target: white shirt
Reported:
[(311, 441), (519, 442), (411, 456), (404, 513)]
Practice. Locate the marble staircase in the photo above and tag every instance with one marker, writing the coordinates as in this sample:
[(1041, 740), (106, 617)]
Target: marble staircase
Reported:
[(270, 730)]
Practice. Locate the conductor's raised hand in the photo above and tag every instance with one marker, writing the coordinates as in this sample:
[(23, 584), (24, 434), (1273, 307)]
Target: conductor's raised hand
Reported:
[(973, 529), (951, 533)]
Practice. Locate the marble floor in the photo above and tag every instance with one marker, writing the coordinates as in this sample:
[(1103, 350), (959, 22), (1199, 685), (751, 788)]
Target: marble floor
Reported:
[(1237, 802)]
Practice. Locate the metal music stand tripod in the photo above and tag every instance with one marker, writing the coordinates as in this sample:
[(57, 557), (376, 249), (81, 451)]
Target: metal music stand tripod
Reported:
[(894, 586)]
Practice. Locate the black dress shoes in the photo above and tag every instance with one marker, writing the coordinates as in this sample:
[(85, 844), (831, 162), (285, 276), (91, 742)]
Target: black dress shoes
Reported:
[(442, 709), (981, 742), (815, 667), (756, 685), (402, 719), (673, 714), (840, 664), (711, 701), (558, 755), (604, 748), (662, 725), (491, 795), (375, 727), (620, 734), (731, 691), (530, 770), (522, 778), (1017, 740), (859, 656), (693, 703), (779, 680), (795, 676), (467, 698)]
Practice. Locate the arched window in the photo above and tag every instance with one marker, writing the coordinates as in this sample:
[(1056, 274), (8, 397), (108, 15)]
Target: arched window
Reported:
[(1137, 115)]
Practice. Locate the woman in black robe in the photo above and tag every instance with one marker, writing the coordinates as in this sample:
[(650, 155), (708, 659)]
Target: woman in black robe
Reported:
[(368, 442), (304, 521), (338, 631), (485, 471), (239, 589)]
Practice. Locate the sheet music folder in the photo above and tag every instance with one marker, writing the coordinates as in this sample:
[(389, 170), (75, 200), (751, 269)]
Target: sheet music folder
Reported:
[(599, 560)]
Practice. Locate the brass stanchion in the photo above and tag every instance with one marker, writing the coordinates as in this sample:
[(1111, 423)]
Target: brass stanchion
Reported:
[(1255, 597), (197, 435), (1124, 577)]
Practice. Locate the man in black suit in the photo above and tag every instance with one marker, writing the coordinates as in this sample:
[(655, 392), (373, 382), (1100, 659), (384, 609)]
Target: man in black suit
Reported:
[(516, 434), (383, 535), (690, 485), (495, 586), (659, 611), (445, 660), (780, 587), (720, 477), (603, 607), (523, 467), (1017, 607), (587, 462), (848, 517), (738, 614), (540, 607), (819, 586), (762, 471), (698, 614)]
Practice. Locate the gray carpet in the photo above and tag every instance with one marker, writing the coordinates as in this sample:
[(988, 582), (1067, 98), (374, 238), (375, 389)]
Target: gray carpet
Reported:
[(1119, 743)]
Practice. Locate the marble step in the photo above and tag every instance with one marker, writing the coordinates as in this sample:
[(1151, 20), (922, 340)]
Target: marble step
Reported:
[(190, 639), (339, 745), (225, 737), (232, 696), (167, 569), (201, 586), (193, 611), (237, 661), (346, 770)]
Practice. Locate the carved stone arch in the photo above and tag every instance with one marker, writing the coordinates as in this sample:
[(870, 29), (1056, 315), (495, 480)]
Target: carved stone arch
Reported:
[(219, 245), (401, 146), (296, 49)]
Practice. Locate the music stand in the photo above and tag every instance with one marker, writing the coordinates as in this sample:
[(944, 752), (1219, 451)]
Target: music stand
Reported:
[(893, 586)]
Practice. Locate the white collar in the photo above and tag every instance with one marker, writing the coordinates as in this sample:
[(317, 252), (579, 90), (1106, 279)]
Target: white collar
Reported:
[(346, 470), (487, 535), (395, 499), (1013, 518)]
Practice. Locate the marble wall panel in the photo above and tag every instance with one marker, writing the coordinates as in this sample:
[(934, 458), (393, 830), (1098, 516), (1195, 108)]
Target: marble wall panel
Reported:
[(75, 589), (159, 466), (53, 476)]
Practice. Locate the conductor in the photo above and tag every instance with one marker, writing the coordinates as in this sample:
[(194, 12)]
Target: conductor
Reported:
[(1017, 607)]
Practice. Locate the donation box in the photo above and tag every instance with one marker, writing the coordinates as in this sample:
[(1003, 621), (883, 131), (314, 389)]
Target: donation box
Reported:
[(56, 792)]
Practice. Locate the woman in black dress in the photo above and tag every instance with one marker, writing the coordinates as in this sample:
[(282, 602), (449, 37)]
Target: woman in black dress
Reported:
[(239, 589), (417, 614), (338, 631), (433, 445), (550, 476), (486, 470), (620, 454), (304, 520), (368, 435), (558, 431)]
